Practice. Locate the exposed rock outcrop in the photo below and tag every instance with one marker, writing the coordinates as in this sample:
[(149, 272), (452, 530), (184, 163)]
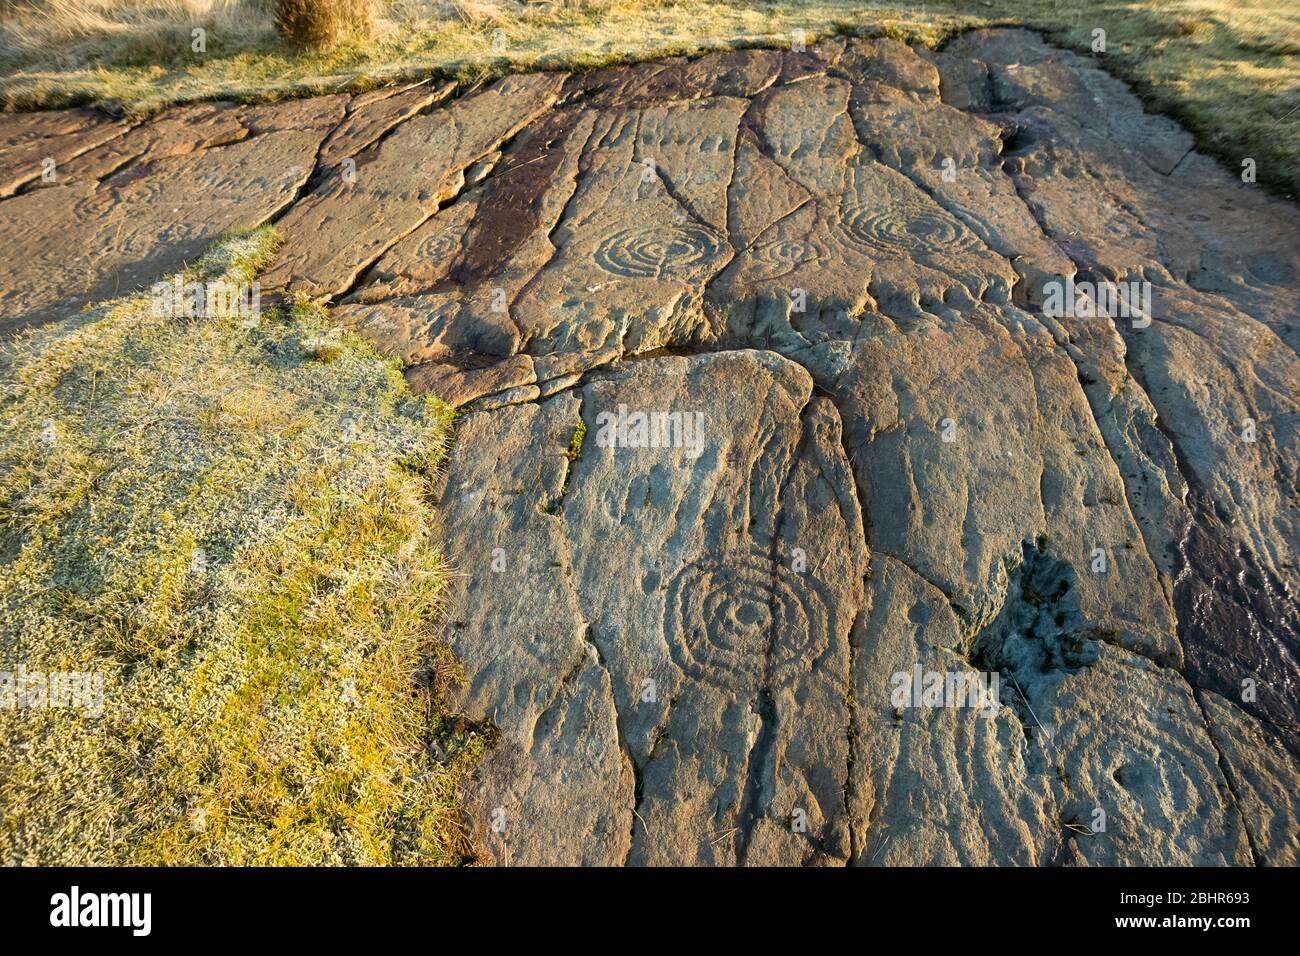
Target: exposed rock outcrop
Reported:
[(768, 418)]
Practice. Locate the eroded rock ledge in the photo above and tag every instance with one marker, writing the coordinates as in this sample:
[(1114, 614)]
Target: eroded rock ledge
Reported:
[(839, 259)]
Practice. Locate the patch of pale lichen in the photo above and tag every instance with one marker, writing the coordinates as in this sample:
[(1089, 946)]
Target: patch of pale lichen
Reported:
[(236, 535)]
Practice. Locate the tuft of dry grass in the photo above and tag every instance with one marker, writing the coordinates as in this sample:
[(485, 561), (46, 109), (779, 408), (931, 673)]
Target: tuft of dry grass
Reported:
[(323, 22), (236, 538)]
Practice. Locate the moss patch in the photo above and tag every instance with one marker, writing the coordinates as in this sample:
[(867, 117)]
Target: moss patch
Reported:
[(575, 443), (236, 536)]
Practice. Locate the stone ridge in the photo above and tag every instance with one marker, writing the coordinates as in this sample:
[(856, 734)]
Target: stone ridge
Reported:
[(821, 277)]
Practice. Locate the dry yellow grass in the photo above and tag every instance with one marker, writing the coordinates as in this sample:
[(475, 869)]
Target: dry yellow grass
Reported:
[(70, 33)]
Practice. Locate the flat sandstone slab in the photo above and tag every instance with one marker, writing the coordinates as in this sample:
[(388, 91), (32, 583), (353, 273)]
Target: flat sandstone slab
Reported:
[(905, 469)]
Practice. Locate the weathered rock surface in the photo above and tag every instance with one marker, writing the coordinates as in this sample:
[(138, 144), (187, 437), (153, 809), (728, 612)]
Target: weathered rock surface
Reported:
[(169, 189), (33, 145), (975, 486), (349, 220), (767, 421)]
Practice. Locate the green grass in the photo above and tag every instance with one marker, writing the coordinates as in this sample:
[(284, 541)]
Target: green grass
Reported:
[(575, 443), (1227, 70), (237, 536)]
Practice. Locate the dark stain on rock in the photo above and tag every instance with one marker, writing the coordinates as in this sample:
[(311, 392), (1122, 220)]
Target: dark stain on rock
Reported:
[(508, 216), (1039, 636), (1235, 620)]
